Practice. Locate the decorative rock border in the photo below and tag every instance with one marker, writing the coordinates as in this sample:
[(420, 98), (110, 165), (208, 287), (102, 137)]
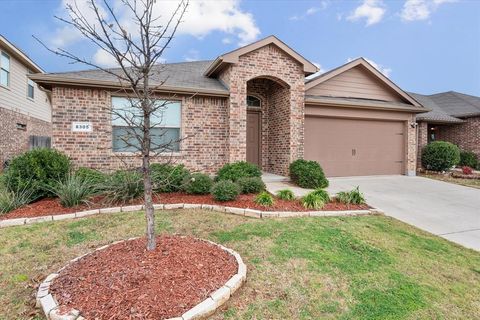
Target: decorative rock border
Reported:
[(232, 210), (54, 311)]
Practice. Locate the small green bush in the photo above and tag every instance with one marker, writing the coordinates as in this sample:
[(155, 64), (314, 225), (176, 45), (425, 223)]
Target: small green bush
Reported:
[(225, 190), (167, 177), (251, 184), (285, 194), (440, 156), (312, 201), (469, 159), (37, 170), (10, 200), (351, 197), (93, 176), (122, 186), (308, 174), (74, 190), (264, 199), (323, 194), (237, 170), (198, 183)]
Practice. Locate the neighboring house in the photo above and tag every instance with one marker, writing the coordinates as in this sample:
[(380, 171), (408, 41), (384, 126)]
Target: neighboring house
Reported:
[(253, 104), (454, 117), (25, 111)]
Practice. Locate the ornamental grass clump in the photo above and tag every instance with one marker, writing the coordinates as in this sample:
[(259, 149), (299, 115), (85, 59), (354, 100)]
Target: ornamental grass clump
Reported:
[(285, 194), (322, 194), (74, 190), (11, 200), (251, 184), (122, 186), (312, 201), (264, 199), (225, 190), (351, 197), (197, 183)]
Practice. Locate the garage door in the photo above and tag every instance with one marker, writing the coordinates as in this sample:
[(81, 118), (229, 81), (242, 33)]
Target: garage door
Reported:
[(346, 147)]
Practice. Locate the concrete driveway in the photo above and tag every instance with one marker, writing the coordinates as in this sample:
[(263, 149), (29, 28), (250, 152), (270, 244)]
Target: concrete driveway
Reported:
[(444, 209)]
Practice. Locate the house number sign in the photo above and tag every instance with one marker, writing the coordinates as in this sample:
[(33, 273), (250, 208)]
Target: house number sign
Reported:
[(82, 127)]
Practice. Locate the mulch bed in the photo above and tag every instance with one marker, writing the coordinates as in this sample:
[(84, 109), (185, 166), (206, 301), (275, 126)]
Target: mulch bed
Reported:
[(52, 206), (125, 281)]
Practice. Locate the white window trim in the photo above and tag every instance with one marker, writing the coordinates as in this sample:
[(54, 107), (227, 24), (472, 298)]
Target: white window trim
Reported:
[(9, 69), (33, 86), (179, 152)]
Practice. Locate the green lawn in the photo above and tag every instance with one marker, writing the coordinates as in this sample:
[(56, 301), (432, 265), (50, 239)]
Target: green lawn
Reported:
[(369, 267)]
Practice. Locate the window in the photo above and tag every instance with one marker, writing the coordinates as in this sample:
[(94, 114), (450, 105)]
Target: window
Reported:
[(4, 69), (432, 133), (253, 102), (165, 121), (30, 88)]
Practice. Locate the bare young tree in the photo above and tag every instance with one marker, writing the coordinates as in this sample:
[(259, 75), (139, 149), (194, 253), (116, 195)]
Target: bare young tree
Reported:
[(136, 45)]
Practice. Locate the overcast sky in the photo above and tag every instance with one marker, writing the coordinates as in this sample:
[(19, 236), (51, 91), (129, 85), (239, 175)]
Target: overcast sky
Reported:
[(425, 46)]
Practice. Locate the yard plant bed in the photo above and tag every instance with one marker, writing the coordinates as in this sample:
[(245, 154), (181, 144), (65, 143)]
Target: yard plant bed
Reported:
[(52, 206), (361, 267), (454, 177), (125, 281)]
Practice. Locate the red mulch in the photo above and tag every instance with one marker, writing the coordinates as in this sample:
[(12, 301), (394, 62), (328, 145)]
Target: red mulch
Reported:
[(125, 281), (52, 206)]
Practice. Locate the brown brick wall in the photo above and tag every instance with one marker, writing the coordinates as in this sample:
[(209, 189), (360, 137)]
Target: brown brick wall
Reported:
[(204, 124), (422, 141), (271, 63), (14, 141), (465, 135)]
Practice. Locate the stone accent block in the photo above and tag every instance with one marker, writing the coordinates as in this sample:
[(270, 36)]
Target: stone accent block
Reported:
[(133, 208), (48, 303), (218, 208), (38, 219), (192, 206), (173, 206), (156, 207), (235, 283), (221, 296), (200, 311), (86, 213), (72, 314), (269, 214), (12, 222), (111, 210), (63, 216), (253, 213), (237, 211)]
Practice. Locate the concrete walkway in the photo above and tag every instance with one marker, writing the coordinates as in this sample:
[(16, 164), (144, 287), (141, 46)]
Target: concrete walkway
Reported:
[(444, 209)]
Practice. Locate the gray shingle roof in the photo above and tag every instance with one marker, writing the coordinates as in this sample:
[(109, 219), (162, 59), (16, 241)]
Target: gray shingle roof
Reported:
[(448, 106), (181, 75)]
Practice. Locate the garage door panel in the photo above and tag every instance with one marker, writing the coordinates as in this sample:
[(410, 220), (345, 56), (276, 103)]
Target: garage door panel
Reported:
[(347, 147)]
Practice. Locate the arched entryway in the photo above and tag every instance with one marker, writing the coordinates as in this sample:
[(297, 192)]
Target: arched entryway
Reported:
[(268, 104)]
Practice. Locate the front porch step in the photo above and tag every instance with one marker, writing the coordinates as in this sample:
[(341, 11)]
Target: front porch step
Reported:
[(272, 177)]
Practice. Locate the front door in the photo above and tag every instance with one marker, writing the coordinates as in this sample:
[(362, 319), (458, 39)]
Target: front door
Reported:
[(254, 137)]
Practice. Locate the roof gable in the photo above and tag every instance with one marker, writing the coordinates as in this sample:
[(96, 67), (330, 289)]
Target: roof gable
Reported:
[(233, 56), (358, 79), (19, 54)]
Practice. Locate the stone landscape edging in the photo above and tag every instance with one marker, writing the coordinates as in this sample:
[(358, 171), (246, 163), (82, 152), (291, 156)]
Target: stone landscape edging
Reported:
[(232, 210), (53, 311)]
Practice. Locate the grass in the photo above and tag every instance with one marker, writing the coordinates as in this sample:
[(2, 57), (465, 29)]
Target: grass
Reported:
[(474, 183), (369, 267)]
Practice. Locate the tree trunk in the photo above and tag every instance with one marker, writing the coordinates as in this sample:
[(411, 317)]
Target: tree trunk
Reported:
[(149, 212)]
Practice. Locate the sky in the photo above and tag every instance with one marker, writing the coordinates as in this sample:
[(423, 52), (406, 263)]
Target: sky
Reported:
[(424, 46)]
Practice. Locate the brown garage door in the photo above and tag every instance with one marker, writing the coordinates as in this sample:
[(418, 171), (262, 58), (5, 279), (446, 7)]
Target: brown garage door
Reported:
[(346, 147)]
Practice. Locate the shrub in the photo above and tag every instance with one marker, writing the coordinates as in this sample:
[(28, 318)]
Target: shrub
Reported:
[(467, 170), (237, 170), (351, 197), (197, 183), (469, 159), (285, 194), (440, 156), (264, 199), (308, 174), (93, 176), (10, 200), (37, 170), (251, 184), (122, 186), (167, 177), (312, 201), (74, 190), (322, 194), (225, 190)]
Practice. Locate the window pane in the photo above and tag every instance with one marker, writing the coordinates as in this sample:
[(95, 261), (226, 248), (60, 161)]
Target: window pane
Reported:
[(30, 91), (163, 139), (5, 62), (168, 113), (4, 77), (253, 101)]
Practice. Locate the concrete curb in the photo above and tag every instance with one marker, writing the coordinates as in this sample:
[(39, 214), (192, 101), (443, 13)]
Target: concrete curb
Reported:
[(231, 210), (53, 311)]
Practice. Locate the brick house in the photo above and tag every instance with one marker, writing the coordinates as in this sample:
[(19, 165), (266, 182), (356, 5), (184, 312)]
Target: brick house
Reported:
[(454, 117), (255, 104), (24, 105)]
